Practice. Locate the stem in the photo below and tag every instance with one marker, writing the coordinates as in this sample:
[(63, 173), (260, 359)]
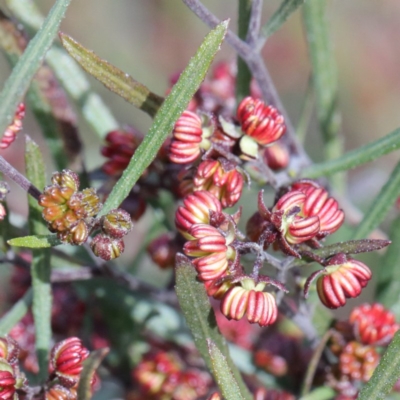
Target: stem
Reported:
[(9, 171)]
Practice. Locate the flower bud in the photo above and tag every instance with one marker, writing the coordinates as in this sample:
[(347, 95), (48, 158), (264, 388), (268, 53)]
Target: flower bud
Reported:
[(187, 136), (4, 190), (276, 156), (58, 392), (90, 202), (248, 298), (106, 247), (196, 210), (343, 278), (66, 179), (271, 363), (76, 235), (8, 381), (67, 359), (119, 148), (358, 362), (217, 289), (162, 250), (209, 246), (3, 212), (15, 126), (117, 223), (9, 349), (261, 122), (289, 219), (224, 185), (373, 324)]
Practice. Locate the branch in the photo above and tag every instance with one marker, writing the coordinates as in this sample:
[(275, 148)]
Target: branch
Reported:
[(254, 23)]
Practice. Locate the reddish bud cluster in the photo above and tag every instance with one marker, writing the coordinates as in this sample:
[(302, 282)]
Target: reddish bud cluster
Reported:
[(373, 324), (163, 375), (15, 126)]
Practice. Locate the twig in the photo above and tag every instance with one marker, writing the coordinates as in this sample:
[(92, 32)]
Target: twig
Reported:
[(260, 73), (9, 171), (254, 23)]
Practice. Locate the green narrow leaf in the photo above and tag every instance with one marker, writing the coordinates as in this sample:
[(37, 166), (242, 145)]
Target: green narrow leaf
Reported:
[(40, 268), (112, 77), (200, 317), (324, 78), (16, 313), (285, 10), (381, 205), (19, 80), (171, 109), (354, 158), (35, 241), (13, 44), (321, 393), (388, 288), (223, 374), (385, 375), (68, 72), (89, 368), (348, 247), (243, 77)]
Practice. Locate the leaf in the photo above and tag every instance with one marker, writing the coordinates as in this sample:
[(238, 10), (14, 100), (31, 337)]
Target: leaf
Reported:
[(324, 77), (223, 374), (19, 80), (388, 288), (385, 375), (285, 10), (35, 241), (16, 313), (200, 317), (170, 111), (45, 97), (381, 205), (40, 267), (349, 247), (354, 158), (68, 72), (89, 368), (112, 77), (243, 76)]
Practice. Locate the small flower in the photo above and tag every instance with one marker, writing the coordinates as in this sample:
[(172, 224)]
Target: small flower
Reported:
[(187, 138), (106, 247), (373, 324), (77, 234), (119, 148), (226, 185), (276, 156), (67, 359), (341, 279), (320, 204), (358, 362), (8, 381), (58, 392), (248, 298), (196, 210), (272, 394), (117, 223), (289, 218), (210, 248), (12, 129), (3, 212), (261, 122), (162, 250)]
